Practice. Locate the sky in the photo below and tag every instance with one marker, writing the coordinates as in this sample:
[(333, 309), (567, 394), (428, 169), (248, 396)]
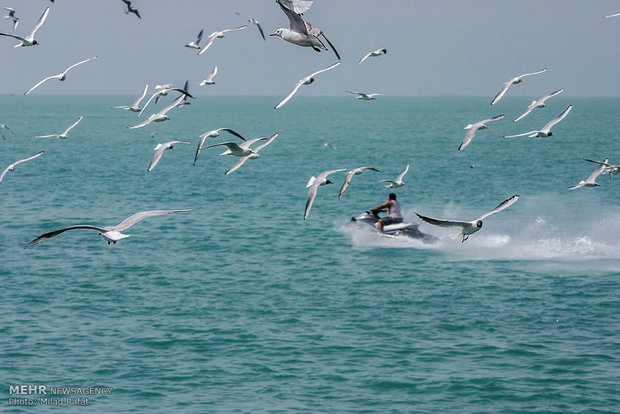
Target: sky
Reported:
[(435, 48)]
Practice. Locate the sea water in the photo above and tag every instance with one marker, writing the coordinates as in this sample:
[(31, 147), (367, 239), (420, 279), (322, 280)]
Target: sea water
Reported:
[(242, 306)]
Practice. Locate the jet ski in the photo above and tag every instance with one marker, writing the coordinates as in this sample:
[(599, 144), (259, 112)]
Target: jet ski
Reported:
[(404, 229)]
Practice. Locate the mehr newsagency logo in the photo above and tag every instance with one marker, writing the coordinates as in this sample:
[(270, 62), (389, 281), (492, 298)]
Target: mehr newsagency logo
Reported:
[(38, 394)]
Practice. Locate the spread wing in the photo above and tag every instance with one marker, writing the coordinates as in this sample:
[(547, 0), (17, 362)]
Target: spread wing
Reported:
[(346, 183), (520, 135), (443, 223), (264, 144), (234, 29), (468, 137), (598, 171), (533, 73), (158, 154), (21, 39), (237, 165), (73, 125), (207, 45), (324, 69), (131, 220), (260, 29), (51, 234), (141, 97), (503, 205), (290, 94), (39, 24), (558, 118), (79, 63), (230, 131), (501, 92), (40, 83), (525, 113), (12, 166), (402, 174)]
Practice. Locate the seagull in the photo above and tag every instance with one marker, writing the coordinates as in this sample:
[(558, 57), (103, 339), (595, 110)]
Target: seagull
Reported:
[(12, 166), (11, 16), (64, 134), (194, 44), (209, 80), (612, 15), (538, 104), (61, 76), (3, 126), (364, 96), (475, 127), (298, 6), (513, 81), (302, 33), (329, 145), (131, 9), (375, 53), (161, 115), (29, 40), (314, 185), (240, 150), (110, 233), (546, 131), (135, 107), (251, 156), (609, 169), (305, 81), (254, 21), (470, 227), (159, 151), (218, 35), (212, 134), (163, 90), (350, 174), (591, 180), (399, 180)]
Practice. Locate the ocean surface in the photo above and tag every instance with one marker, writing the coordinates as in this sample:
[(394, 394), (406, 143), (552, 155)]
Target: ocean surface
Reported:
[(242, 306)]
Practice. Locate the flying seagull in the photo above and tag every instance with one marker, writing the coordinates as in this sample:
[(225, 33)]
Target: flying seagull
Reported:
[(12, 166), (546, 130), (159, 151), (399, 180), (513, 81), (160, 116), (64, 134), (298, 6), (314, 184), (212, 134), (135, 107), (251, 156), (305, 81), (61, 76), (29, 40), (350, 174), (195, 43), (209, 80), (470, 227), (612, 15), (364, 96), (302, 33), (538, 104), (3, 126), (218, 35), (253, 21), (11, 16), (609, 168), (374, 53), (131, 9), (238, 150), (475, 127), (163, 90), (110, 233), (591, 180)]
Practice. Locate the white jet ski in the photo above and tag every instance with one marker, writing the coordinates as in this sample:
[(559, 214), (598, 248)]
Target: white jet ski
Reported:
[(404, 229)]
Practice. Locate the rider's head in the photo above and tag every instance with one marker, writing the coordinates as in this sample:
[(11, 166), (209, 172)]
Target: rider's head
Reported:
[(392, 196)]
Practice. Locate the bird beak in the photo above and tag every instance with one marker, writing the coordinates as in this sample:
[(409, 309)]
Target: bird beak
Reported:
[(273, 34)]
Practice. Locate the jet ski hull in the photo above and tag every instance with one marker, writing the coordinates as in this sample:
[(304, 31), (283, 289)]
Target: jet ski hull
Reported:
[(404, 229)]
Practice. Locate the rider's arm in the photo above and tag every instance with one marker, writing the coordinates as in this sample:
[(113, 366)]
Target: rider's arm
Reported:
[(383, 206)]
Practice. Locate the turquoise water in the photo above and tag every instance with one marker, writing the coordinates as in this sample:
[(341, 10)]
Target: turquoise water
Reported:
[(242, 306)]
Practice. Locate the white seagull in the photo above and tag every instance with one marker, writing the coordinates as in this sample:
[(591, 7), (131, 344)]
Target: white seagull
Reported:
[(364, 96), (159, 151), (195, 44), (609, 168), (12, 166), (305, 81), (209, 80), (298, 6), (546, 130), (29, 40), (399, 180), (302, 33), (538, 104), (350, 174), (163, 90), (591, 180), (612, 15), (374, 53), (513, 81), (135, 107), (314, 184), (61, 76), (238, 150), (161, 115), (110, 233), (475, 127), (212, 134), (251, 156), (3, 126), (255, 22), (470, 227), (11, 16), (218, 35), (64, 134)]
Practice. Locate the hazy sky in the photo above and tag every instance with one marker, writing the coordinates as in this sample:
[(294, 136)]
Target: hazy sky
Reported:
[(434, 47)]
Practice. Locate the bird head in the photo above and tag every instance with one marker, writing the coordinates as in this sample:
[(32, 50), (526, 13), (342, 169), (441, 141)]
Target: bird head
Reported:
[(479, 223), (34, 42), (328, 182), (550, 134), (277, 33)]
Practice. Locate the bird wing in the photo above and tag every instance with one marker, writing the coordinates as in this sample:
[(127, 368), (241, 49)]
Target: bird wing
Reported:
[(330, 45), (597, 172), (299, 6), (260, 29), (290, 94), (79, 63), (324, 69), (212, 75), (39, 24), (501, 92), (347, 181), (73, 125), (230, 131), (468, 137), (230, 145), (199, 37), (267, 142), (559, 91), (234, 29), (13, 36), (247, 144), (51, 234), (366, 56), (598, 162), (402, 174), (296, 23), (525, 113), (581, 184), (237, 165), (533, 73), (324, 174), (12, 166), (131, 220), (174, 104), (158, 154), (40, 83), (443, 223), (495, 118), (207, 45), (142, 124), (141, 97), (520, 135), (560, 117), (149, 100), (503, 205)]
